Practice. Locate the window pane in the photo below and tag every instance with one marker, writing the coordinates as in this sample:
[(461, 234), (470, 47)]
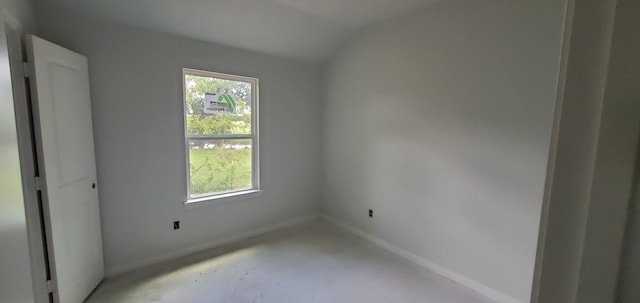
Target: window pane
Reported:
[(217, 106), (218, 166)]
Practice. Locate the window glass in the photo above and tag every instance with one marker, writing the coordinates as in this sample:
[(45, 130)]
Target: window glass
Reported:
[(220, 134)]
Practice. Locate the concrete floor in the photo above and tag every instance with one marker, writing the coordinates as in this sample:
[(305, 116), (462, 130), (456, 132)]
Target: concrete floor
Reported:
[(311, 262)]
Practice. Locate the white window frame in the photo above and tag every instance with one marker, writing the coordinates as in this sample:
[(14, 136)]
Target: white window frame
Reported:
[(254, 136)]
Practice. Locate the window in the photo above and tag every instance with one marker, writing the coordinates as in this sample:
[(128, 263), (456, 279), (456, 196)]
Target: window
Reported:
[(221, 134)]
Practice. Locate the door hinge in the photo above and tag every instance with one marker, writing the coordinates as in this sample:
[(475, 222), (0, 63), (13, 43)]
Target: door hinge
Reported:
[(50, 286), (37, 183), (27, 69)]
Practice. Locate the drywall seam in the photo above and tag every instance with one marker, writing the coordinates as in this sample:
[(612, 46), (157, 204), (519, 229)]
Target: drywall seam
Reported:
[(487, 291), (118, 270)]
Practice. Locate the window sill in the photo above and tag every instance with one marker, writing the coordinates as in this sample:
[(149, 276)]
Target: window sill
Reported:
[(224, 198)]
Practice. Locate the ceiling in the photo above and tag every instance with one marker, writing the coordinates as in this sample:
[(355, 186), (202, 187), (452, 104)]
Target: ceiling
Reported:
[(302, 29)]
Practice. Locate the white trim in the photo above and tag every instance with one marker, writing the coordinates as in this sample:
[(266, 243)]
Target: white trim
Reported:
[(487, 291), (222, 198), (118, 270), (204, 73), (254, 136), (218, 137), (553, 148)]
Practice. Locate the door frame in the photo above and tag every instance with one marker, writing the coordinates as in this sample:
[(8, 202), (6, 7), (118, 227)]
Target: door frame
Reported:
[(594, 142), (624, 290), (41, 276)]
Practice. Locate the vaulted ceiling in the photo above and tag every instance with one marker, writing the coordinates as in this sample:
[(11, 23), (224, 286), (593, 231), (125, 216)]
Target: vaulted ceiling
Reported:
[(303, 29)]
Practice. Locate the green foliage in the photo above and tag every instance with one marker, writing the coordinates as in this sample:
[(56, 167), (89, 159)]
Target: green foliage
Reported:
[(223, 164), (220, 169), (199, 123)]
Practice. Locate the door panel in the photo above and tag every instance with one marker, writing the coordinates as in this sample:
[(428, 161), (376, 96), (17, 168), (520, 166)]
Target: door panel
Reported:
[(73, 154), (64, 135)]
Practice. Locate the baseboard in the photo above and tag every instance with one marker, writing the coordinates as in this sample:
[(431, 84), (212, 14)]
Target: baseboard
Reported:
[(118, 270), (487, 291)]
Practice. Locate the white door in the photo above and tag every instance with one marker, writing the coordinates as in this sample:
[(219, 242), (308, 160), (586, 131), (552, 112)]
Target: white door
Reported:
[(66, 160)]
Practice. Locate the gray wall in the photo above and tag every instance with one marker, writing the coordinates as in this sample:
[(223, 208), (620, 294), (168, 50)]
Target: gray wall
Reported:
[(136, 86), (441, 122), (15, 269), (18, 13)]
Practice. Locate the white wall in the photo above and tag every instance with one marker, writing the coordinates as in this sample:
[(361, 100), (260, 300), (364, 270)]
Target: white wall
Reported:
[(440, 122), (136, 88), (15, 269)]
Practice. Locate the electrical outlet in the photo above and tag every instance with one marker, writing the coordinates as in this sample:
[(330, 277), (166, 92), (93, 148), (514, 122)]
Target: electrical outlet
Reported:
[(176, 225), (371, 213)]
